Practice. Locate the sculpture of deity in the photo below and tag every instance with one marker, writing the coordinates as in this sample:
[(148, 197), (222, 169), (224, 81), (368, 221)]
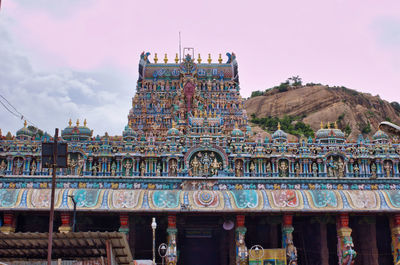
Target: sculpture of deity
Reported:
[(291, 251), (33, 168), (158, 169), (242, 251), (195, 166), (214, 167), (18, 163), (373, 170), (388, 169), (283, 169), (315, 169), (252, 168), (80, 167), (128, 166), (173, 167), (238, 168), (3, 167), (356, 169), (113, 168), (95, 169), (331, 168), (142, 168), (297, 169), (206, 164), (269, 169), (341, 168)]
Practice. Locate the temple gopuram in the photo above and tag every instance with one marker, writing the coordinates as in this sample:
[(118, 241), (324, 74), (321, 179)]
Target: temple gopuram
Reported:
[(220, 194)]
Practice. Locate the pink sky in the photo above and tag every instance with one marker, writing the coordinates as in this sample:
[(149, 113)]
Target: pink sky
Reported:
[(351, 43)]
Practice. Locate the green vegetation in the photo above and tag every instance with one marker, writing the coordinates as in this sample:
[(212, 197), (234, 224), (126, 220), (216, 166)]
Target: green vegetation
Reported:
[(395, 105), (289, 124), (366, 129), (35, 130), (293, 81), (347, 130), (256, 93)]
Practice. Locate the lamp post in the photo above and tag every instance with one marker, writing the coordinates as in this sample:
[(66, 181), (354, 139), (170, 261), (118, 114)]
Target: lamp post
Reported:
[(154, 226), (257, 253)]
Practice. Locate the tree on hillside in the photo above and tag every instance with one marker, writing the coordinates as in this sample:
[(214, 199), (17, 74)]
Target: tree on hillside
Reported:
[(295, 81)]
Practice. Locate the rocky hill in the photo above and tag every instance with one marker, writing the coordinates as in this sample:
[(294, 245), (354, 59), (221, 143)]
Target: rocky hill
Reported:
[(354, 112)]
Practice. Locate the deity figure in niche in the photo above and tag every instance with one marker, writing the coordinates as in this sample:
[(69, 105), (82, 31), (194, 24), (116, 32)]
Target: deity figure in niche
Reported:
[(252, 168), (388, 169), (297, 169), (113, 168), (214, 167), (373, 170), (356, 169), (315, 169), (33, 167), (206, 161), (195, 166), (128, 166), (331, 168), (173, 167), (158, 169), (283, 168), (269, 169), (81, 162), (238, 168), (142, 168), (18, 164), (95, 169), (3, 167), (341, 168)]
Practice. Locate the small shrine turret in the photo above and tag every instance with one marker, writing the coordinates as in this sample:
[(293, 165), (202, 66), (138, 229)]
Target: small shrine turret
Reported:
[(77, 132)]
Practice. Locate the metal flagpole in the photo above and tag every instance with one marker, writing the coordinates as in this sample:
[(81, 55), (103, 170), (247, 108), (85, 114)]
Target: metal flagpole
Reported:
[(53, 186)]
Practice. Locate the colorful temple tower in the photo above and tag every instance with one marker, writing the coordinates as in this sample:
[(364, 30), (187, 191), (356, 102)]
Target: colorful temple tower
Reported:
[(189, 158)]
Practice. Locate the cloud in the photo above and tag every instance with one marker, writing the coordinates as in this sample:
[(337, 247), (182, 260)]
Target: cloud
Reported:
[(50, 98)]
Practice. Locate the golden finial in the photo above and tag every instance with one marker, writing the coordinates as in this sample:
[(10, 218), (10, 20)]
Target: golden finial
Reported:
[(200, 114), (173, 124), (209, 58), (84, 123), (215, 114), (155, 58), (176, 58), (165, 59), (209, 114), (205, 114), (329, 125), (77, 122), (279, 125), (199, 59), (322, 125), (336, 126), (236, 125), (25, 123), (220, 58), (70, 123)]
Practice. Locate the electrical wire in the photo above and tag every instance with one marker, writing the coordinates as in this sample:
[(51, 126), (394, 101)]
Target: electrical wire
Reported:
[(15, 113)]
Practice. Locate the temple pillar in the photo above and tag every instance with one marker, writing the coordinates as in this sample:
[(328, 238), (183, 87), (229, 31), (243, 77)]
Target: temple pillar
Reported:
[(324, 244), (65, 223), (395, 230), (346, 253), (241, 249), (287, 239), (171, 255), (124, 223), (9, 221)]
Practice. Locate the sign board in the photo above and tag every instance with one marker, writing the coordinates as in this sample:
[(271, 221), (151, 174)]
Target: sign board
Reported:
[(47, 155), (274, 256)]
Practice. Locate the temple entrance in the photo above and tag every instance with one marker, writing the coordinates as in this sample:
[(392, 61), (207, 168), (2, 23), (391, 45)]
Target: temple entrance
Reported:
[(200, 241)]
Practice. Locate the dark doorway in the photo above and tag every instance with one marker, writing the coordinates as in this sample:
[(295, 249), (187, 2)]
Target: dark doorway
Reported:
[(199, 241)]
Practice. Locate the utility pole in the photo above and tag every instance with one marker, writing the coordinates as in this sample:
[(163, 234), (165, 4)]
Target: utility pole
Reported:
[(53, 187), (54, 155)]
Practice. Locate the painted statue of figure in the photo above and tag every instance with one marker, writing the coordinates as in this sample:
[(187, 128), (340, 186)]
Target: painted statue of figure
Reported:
[(315, 169), (283, 169), (158, 169), (80, 167), (33, 168), (291, 250), (142, 168), (340, 168), (3, 167), (18, 163), (373, 170), (206, 164), (297, 169), (128, 166), (113, 168), (356, 169), (348, 254), (214, 167), (252, 168), (331, 168), (173, 167), (95, 168), (269, 169), (195, 166), (241, 249), (238, 168), (388, 169), (171, 254)]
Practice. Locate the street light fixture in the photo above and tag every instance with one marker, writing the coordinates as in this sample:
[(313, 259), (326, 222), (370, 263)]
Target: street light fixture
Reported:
[(162, 251), (153, 227)]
